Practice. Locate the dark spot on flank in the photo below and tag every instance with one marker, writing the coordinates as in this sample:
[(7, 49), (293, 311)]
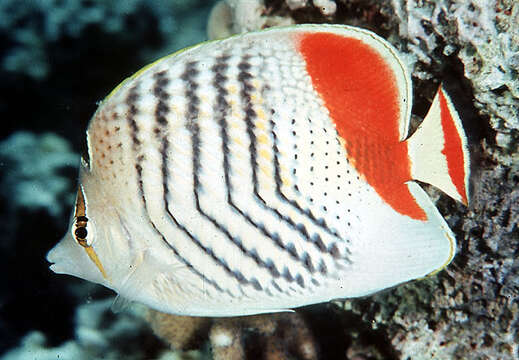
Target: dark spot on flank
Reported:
[(300, 280), (239, 276), (308, 262), (322, 268), (255, 256), (319, 243), (286, 274), (272, 268), (244, 65), (334, 251), (292, 249), (243, 76), (133, 110), (256, 284)]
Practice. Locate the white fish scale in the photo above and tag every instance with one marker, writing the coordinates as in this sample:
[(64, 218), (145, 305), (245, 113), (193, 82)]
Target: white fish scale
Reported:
[(209, 239), (172, 227), (213, 199), (212, 190), (263, 132), (323, 173), (293, 107), (333, 178), (292, 101), (151, 165), (242, 194), (267, 191), (120, 192), (181, 202), (118, 179)]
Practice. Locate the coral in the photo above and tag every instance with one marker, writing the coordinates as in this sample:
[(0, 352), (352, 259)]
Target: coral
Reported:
[(101, 335), (219, 25), (181, 332), (269, 337), (34, 180), (33, 346), (32, 27), (249, 15), (469, 310), (484, 35)]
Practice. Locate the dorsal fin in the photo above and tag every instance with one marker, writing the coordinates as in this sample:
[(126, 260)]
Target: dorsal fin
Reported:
[(366, 90)]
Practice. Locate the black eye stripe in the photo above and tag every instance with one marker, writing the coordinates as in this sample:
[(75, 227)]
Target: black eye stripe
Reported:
[(81, 218)]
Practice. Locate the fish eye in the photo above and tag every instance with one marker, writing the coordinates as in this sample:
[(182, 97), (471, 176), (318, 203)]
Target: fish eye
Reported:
[(81, 233)]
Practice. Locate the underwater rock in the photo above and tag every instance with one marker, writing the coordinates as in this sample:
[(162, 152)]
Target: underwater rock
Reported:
[(33, 345), (469, 310), (483, 35), (472, 306), (34, 178), (100, 334), (266, 336), (33, 28)]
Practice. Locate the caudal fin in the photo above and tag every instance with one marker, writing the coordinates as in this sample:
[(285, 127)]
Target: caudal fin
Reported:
[(438, 150)]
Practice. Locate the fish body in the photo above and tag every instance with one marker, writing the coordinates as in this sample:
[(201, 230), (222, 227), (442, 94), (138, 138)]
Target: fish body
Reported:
[(264, 172)]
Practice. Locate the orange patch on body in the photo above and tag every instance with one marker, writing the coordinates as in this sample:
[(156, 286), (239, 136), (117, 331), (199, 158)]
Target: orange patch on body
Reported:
[(452, 149), (360, 91)]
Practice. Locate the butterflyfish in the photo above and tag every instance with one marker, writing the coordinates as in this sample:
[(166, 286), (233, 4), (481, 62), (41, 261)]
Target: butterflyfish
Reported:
[(264, 172)]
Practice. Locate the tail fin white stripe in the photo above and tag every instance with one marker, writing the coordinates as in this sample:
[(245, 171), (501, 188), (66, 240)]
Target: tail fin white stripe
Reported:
[(430, 160)]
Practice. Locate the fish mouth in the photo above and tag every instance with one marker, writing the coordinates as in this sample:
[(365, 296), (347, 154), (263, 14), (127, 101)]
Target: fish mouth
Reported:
[(69, 258), (60, 259)]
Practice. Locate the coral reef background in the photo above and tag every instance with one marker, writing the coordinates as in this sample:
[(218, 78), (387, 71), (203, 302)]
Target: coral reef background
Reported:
[(58, 58)]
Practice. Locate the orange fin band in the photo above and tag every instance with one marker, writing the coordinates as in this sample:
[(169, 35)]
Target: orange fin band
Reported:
[(359, 89), (453, 149)]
